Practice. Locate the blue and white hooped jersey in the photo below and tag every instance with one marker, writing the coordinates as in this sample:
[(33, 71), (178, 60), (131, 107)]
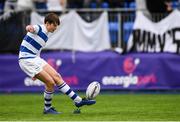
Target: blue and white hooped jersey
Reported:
[(33, 43)]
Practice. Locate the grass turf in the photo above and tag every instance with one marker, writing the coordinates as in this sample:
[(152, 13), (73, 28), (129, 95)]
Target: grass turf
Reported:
[(109, 107)]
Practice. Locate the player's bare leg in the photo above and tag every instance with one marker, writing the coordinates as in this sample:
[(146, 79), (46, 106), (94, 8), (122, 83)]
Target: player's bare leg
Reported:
[(53, 73), (47, 79), (63, 87), (48, 93)]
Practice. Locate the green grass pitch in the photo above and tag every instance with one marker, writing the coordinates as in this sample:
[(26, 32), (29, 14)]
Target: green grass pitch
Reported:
[(109, 107)]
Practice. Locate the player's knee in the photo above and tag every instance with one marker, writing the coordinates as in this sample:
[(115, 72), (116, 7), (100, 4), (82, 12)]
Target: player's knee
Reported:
[(50, 84), (49, 87), (57, 78), (57, 75)]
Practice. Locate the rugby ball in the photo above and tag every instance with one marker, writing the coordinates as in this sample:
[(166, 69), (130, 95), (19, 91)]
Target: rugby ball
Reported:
[(93, 90)]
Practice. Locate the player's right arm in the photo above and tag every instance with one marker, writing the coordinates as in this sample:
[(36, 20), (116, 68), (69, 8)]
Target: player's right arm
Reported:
[(32, 28)]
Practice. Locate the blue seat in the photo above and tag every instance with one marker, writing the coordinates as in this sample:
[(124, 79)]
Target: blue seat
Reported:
[(175, 4), (127, 29), (113, 26), (125, 5), (113, 29), (40, 5), (105, 5), (1, 6), (93, 5), (132, 5)]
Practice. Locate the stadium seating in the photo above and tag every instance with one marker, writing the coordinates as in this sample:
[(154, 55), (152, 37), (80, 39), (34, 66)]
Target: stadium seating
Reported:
[(40, 5), (113, 29), (104, 5), (127, 29), (132, 5), (93, 5), (175, 4), (1, 7)]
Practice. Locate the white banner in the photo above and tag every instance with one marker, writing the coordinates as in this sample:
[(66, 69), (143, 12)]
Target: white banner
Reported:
[(163, 36), (74, 33)]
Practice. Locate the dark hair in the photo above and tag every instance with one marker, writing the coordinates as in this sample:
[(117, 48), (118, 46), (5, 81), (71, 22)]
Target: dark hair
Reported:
[(52, 18)]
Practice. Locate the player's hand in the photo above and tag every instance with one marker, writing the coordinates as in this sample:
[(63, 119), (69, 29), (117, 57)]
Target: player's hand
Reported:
[(30, 28)]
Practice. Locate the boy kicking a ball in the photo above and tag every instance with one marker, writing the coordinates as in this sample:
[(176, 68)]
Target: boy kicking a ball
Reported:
[(36, 67)]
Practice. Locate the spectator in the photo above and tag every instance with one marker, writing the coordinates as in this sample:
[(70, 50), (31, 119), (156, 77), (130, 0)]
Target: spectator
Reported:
[(25, 5), (141, 6), (168, 5), (40, 4), (159, 6), (56, 5), (86, 3), (10, 5)]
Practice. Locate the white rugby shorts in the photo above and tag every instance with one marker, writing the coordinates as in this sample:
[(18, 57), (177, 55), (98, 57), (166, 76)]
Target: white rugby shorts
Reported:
[(32, 66)]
